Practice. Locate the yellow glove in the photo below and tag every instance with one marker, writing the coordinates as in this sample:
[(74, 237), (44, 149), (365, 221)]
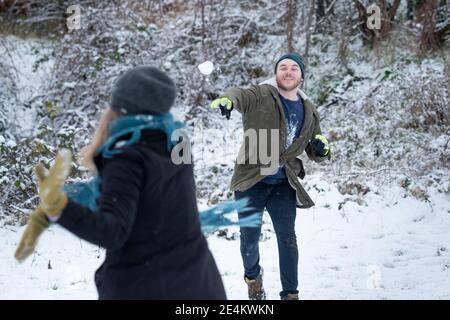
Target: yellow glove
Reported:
[(37, 223), (320, 145), (223, 101), (225, 105), (52, 199)]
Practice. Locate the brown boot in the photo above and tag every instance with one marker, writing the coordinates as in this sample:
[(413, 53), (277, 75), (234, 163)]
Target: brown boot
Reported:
[(290, 296), (255, 287)]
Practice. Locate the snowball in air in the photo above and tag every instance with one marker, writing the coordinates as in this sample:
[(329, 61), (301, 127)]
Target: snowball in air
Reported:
[(206, 67)]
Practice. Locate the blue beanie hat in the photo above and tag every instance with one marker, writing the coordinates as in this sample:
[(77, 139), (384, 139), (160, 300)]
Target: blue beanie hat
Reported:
[(293, 56)]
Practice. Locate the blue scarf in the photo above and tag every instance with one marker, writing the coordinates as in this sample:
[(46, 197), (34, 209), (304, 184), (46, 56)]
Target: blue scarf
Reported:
[(134, 125), (86, 193)]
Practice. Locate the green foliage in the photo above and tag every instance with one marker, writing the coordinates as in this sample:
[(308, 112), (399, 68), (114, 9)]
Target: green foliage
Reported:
[(38, 148), (325, 88), (98, 64), (141, 28), (116, 56), (385, 74), (51, 108), (66, 139)]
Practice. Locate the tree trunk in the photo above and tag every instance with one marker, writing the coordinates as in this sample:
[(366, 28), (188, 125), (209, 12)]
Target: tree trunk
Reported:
[(442, 28), (6, 4), (388, 11), (291, 18), (321, 6), (427, 16), (308, 35)]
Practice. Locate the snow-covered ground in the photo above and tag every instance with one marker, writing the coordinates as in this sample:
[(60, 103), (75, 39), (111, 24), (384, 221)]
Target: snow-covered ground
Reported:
[(393, 248), (31, 66)]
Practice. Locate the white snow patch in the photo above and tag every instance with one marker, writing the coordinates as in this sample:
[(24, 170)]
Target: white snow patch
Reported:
[(393, 248), (30, 68)]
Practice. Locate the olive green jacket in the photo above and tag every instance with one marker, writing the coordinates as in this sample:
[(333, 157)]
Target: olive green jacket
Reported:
[(261, 108)]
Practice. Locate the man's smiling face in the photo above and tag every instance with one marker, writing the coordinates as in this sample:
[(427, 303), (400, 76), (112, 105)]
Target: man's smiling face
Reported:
[(288, 75)]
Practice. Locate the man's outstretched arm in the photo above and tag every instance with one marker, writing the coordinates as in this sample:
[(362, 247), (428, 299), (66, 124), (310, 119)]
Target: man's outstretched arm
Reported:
[(243, 100)]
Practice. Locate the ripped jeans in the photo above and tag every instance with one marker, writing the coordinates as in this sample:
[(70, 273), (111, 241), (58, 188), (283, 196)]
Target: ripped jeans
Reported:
[(279, 200)]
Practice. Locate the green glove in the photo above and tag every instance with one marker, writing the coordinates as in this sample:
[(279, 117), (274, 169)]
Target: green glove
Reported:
[(320, 145), (52, 199), (37, 223), (225, 105)]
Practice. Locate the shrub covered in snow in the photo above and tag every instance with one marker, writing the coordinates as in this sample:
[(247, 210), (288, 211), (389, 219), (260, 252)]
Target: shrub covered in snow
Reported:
[(387, 118)]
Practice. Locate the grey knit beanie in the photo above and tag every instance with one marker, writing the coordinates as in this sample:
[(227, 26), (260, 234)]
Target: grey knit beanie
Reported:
[(143, 90)]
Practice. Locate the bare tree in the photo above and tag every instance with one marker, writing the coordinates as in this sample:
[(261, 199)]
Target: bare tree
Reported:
[(435, 23), (5, 5), (321, 5), (344, 40), (31, 11), (325, 15), (291, 18), (411, 8), (324, 7), (309, 30), (388, 11), (442, 28)]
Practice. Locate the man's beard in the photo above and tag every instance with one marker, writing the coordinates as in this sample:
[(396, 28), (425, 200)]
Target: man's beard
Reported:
[(295, 85)]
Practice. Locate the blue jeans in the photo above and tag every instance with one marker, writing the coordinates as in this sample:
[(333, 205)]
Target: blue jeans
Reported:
[(279, 200)]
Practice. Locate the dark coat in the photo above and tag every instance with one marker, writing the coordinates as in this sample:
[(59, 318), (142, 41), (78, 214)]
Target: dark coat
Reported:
[(148, 222)]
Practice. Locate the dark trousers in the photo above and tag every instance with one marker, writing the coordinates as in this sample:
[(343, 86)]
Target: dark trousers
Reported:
[(279, 200)]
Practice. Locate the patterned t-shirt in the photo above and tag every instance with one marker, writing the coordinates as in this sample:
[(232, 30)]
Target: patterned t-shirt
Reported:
[(294, 112)]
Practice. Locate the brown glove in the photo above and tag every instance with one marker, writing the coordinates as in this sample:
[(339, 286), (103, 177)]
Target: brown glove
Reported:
[(37, 223), (52, 199)]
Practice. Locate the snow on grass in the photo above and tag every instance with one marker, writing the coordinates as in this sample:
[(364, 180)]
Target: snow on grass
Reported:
[(393, 248), (62, 267)]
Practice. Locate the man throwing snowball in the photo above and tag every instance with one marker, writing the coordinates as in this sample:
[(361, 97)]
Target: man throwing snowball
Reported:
[(283, 118)]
